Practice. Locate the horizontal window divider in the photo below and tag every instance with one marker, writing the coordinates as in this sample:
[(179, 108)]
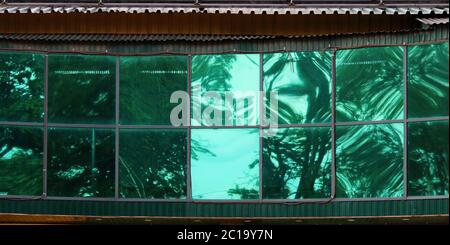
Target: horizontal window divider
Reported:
[(62, 125), (305, 125), (368, 122), (150, 127), (22, 124), (219, 127), (224, 201), (428, 119)]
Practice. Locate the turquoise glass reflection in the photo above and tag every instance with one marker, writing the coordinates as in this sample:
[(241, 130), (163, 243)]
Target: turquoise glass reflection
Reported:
[(81, 162), (297, 163), (153, 163), (369, 161), (21, 160), (225, 89), (303, 83), (428, 80), (81, 89), (146, 84), (225, 163), (21, 87), (428, 158), (369, 84)]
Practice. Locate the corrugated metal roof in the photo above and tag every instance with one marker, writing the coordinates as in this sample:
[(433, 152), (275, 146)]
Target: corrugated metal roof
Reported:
[(128, 38), (222, 10), (433, 21)]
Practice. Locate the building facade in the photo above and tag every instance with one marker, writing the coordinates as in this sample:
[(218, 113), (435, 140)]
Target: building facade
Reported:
[(205, 110)]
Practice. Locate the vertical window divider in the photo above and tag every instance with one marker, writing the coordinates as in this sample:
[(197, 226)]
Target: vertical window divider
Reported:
[(261, 120), (188, 150), (117, 133), (405, 121), (45, 149), (333, 124)]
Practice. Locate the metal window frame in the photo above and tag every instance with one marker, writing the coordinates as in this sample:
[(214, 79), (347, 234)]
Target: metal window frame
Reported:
[(117, 126)]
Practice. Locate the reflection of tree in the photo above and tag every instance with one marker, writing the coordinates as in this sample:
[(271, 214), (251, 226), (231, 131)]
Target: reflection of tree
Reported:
[(369, 161), (428, 158), (369, 84), (20, 161), (428, 80), (21, 87), (153, 164)]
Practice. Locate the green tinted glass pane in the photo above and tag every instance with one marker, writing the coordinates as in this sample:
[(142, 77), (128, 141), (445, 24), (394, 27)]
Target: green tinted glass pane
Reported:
[(225, 89), (369, 160), (369, 84), (303, 84), (81, 162), (146, 84), (153, 163), (225, 163), (297, 163), (428, 158), (428, 80), (81, 89), (21, 87), (21, 160)]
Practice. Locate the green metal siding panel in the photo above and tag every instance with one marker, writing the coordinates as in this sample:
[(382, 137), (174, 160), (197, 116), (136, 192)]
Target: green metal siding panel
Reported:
[(333, 209)]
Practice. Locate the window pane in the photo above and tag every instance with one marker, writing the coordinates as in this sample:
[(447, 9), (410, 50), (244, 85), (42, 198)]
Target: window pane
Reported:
[(81, 89), (369, 160), (428, 80), (81, 162), (369, 84), (21, 87), (225, 163), (20, 160), (428, 158), (146, 84), (297, 163), (303, 84), (153, 163), (235, 79)]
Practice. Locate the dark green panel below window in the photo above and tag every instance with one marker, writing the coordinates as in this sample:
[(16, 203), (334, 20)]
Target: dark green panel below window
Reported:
[(21, 160), (428, 80), (303, 83), (81, 162), (369, 161), (369, 84), (21, 87), (297, 163), (428, 158), (146, 84), (225, 163), (153, 163), (81, 89)]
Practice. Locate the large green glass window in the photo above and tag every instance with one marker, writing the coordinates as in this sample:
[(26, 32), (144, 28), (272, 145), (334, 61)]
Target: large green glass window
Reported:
[(428, 158), (21, 160), (21, 87), (225, 163), (297, 163), (81, 89), (369, 84), (153, 163), (303, 83), (146, 84), (428, 80), (369, 161), (81, 162), (225, 89)]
